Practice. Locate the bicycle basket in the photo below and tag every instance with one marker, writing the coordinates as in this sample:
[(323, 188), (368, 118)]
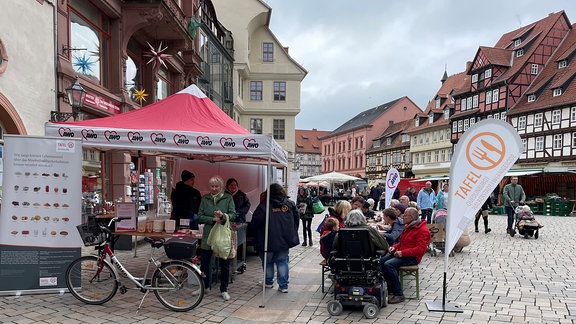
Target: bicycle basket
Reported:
[(91, 234)]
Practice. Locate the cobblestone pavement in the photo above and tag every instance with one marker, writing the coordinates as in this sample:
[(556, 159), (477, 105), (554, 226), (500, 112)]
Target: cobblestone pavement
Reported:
[(497, 279)]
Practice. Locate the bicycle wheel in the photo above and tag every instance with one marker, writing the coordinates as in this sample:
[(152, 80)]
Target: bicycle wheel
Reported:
[(88, 287), (178, 286)]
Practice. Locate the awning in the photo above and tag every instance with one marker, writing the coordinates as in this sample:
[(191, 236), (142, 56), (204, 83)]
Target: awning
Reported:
[(430, 179), (523, 172)]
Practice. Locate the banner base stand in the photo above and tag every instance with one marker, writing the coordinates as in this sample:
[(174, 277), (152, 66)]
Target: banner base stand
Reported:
[(439, 306)]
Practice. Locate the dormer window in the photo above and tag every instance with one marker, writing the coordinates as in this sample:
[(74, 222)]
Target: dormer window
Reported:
[(446, 113), (452, 101), (562, 64), (557, 92), (438, 102), (531, 98), (430, 118), (417, 122), (487, 73), (520, 52), (534, 69), (474, 78), (517, 42), (388, 141)]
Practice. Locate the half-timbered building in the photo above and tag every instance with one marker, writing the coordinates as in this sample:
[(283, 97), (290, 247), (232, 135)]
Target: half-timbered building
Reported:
[(390, 150)]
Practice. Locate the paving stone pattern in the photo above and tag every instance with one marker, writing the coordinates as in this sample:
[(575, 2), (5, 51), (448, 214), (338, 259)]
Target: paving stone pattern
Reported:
[(497, 279)]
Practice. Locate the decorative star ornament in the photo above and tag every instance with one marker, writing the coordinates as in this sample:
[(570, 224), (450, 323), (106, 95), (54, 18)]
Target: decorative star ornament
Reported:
[(83, 64), (140, 95), (158, 57), (192, 27)]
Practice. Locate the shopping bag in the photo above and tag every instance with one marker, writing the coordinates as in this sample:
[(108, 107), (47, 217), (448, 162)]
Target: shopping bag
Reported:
[(234, 244), (220, 239), (317, 207)]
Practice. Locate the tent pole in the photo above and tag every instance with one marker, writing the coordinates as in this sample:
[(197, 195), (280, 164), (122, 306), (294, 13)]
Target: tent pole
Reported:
[(264, 260)]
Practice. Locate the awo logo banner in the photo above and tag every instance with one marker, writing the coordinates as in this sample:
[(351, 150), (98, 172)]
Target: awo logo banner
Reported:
[(227, 142), (157, 138), (250, 144), (65, 132), (89, 134), (180, 139), (204, 141), (135, 137), (111, 136)]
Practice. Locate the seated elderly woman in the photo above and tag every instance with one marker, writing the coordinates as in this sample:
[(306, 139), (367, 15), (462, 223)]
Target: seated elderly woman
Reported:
[(355, 218)]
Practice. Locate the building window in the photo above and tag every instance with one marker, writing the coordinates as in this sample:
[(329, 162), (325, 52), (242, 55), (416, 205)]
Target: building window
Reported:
[(503, 115), (495, 94), (431, 118), (472, 121), (557, 92), (531, 98), (435, 137), (524, 145), (538, 120), (428, 157), (557, 143), (539, 143), (446, 114), (256, 126), (517, 42), (427, 138), (135, 66), (463, 104), (573, 114), (520, 52), (474, 78), (469, 102), (562, 64), (454, 127), (488, 97), (436, 156), (255, 90), (475, 101), (268, 52), (279, 129), (417, 157), (441, 136), (438, 101), (460, 125), (164, 85), (389, 141), (534, 69), (522, 122), (556, 117), (415, 140), (90, 42), (417, 121), (487, 73), (466, 124), (573, 140), (279, 91)]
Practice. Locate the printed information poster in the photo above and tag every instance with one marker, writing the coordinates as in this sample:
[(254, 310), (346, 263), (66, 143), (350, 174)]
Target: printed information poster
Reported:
[(41, 207), (126, 212)]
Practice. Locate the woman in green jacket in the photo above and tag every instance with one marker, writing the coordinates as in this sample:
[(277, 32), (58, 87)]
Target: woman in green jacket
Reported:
[(214, 207)]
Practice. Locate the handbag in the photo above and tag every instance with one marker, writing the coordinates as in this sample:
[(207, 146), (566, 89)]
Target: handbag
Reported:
[(302, 208), (220, 239), (317, 207)]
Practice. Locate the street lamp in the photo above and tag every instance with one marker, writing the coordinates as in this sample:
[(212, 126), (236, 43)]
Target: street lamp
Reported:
[(76, 96)]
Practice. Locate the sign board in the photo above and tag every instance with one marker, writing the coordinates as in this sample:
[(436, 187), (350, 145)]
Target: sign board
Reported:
[(126, 212)]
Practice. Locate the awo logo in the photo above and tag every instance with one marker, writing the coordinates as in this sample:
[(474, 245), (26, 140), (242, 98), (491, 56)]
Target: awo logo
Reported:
[(180, 139), (227, 142), (157, 138), (135, 137), (65, 132), (203, 141), (111, 136), (89, 134), (250, 143)]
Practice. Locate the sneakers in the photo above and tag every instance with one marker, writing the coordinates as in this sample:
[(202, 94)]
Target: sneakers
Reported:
[(395, 299), (284, 290), (269, 286), (225, 295), (304, 244)]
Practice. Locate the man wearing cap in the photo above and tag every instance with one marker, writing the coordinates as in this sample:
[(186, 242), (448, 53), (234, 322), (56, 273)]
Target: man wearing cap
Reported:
[(185, 201)]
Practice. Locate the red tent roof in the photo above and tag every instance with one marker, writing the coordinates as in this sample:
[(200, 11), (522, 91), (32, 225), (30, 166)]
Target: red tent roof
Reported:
[(187, 110)]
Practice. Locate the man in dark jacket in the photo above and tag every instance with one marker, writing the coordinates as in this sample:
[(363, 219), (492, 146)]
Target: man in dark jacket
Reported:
[(185, 201), (282, 235)]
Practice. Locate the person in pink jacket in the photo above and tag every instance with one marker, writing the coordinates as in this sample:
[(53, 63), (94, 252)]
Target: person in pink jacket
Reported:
[(408, 251)]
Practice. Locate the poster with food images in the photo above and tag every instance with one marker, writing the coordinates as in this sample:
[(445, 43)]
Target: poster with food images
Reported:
[(40, 211)]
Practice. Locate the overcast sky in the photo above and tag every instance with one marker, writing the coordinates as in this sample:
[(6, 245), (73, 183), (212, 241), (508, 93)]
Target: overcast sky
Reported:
[(360, 54)]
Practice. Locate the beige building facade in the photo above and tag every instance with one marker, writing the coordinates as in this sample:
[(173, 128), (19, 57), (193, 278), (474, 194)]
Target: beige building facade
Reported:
[(266, 79)]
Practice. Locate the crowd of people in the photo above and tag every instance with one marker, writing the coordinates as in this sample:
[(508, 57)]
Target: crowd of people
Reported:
[(399, 226)]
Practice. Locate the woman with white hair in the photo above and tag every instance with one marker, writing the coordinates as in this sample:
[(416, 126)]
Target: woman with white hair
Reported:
[(355, 218), (217, 206)]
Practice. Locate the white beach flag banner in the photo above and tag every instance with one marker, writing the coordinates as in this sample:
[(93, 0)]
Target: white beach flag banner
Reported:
[(483, 155), (392, 181)]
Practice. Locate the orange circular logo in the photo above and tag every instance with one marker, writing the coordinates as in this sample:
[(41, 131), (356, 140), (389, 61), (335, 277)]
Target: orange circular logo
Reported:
[(485, 151)]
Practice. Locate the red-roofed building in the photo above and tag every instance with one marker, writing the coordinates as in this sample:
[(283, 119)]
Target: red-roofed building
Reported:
[(390, 150), (308, 158)]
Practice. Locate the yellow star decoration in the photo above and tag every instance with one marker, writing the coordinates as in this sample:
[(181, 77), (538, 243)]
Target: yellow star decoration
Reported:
[(140, 95)]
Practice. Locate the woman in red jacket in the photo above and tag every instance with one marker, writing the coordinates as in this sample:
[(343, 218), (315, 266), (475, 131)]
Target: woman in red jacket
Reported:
[(408, 251)]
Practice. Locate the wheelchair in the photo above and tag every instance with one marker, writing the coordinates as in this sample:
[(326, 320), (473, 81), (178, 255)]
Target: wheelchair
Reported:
[(358, 279)]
